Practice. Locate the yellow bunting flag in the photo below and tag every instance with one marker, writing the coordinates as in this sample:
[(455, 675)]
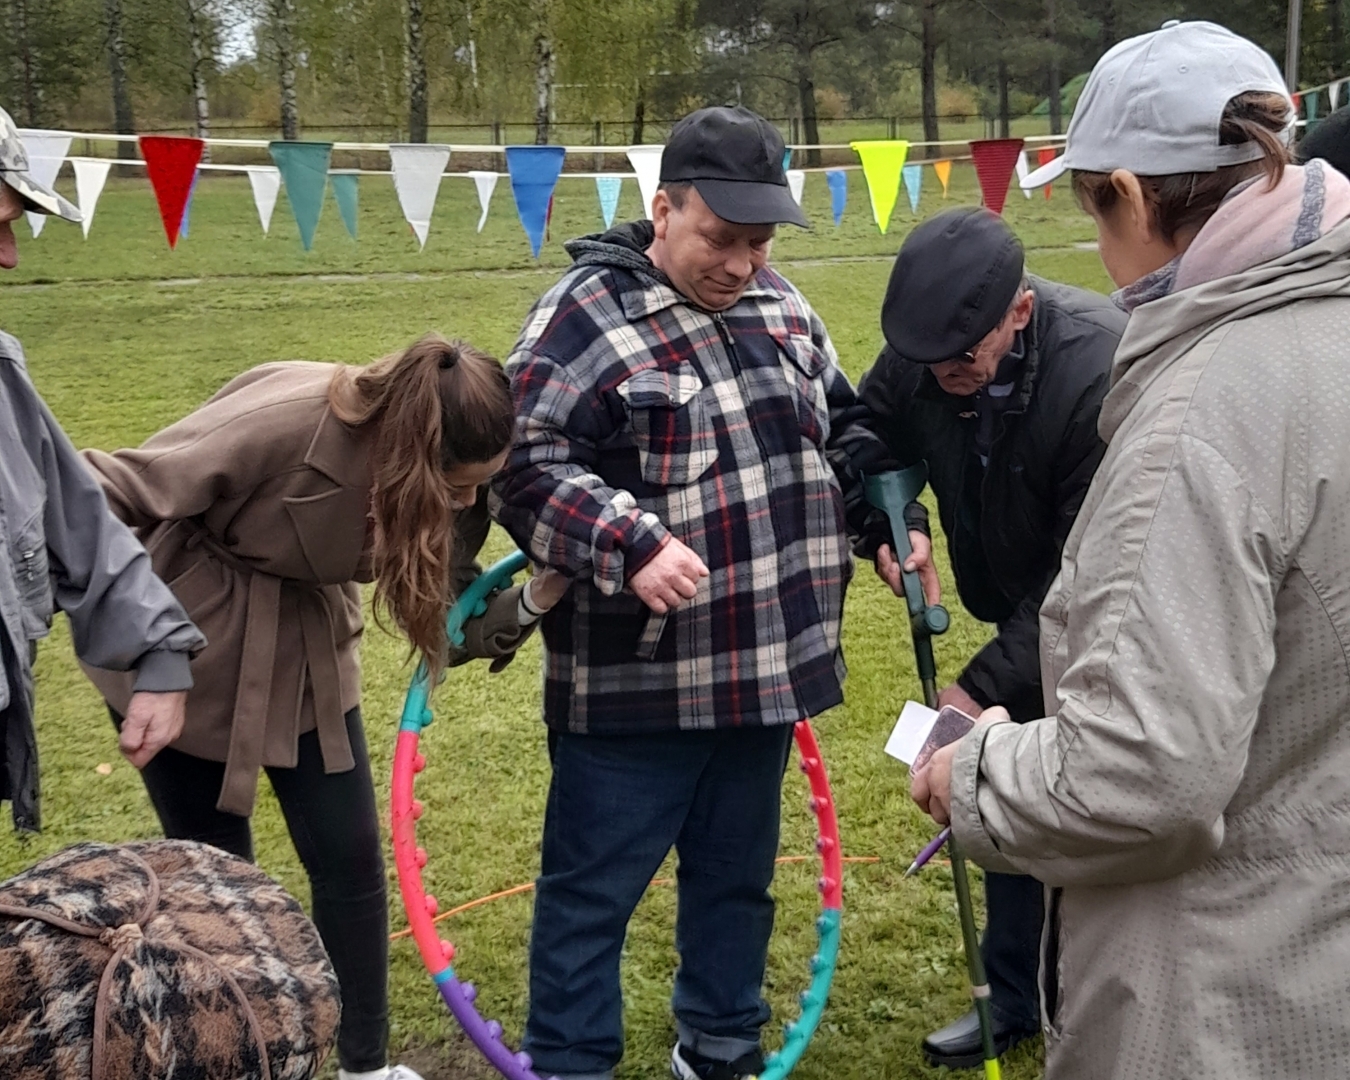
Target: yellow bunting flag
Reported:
[(943, 169), (882, 162)]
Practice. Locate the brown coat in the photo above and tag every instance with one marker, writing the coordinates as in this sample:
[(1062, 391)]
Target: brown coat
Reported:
[(254, 510)]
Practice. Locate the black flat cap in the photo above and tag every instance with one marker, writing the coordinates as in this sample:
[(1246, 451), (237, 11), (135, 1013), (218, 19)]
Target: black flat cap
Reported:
[(952, 283), (734, 159)]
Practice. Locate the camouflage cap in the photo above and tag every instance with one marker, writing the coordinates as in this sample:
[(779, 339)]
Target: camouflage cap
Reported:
[(14, 172)]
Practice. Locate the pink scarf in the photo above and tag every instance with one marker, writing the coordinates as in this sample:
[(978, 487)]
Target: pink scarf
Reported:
[(1255, 225)]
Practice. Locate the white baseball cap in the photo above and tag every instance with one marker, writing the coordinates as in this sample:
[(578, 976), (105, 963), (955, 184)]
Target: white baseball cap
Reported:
[(1153, 104)]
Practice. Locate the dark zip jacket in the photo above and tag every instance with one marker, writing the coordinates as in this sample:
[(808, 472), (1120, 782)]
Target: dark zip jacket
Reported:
[(1044, 452)]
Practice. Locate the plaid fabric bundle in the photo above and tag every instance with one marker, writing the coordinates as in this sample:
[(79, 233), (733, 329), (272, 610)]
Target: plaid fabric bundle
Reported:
[(159, 961), (643, 416)]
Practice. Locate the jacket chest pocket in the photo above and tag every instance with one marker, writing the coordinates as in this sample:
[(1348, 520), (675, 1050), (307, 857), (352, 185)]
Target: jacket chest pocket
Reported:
[(28, 554), (804, 363), (671, 421)]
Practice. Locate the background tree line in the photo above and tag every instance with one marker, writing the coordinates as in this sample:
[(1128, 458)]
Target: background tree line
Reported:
[(400, 65)]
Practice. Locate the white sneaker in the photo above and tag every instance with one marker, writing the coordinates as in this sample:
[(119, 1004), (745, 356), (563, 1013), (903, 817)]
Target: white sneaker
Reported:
[(397, 1072)]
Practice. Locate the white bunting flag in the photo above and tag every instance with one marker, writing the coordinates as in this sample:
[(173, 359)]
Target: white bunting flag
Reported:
[(796, 179), (46, 150), (1023, 170), (1334, 94), (486, 183), (646, 162), (90, 176), (418, 168), (266, 182)]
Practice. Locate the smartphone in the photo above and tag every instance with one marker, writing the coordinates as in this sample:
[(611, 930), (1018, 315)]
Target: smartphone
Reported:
[(951, 723)]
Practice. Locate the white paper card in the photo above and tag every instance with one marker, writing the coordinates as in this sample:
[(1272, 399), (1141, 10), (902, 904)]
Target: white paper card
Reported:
[(910, 731)]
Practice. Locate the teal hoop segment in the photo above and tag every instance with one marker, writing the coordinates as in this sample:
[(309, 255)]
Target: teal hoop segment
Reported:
[(797, 1035)]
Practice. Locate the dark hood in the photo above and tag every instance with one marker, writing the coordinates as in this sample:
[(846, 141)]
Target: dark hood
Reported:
[(624, 247)]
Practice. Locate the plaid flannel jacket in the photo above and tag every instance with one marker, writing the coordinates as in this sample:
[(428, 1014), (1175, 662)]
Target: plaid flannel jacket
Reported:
[(640, 416)]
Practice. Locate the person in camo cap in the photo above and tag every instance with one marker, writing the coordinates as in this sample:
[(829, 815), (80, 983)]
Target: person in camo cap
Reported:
[(60, 548)]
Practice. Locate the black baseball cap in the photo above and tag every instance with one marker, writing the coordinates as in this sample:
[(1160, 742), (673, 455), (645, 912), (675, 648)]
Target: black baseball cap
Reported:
[(952, 283), (734, 159)]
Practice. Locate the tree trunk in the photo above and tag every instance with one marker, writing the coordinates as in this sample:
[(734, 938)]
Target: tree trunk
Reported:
[(26, 82), (543, 84), (1109, 23), (928, 72), (1053, 78), (200, 62), (639, 113), (1004, 112), (806, 91), (124, 123), (417, 74), (283, 32), (1337, 28)]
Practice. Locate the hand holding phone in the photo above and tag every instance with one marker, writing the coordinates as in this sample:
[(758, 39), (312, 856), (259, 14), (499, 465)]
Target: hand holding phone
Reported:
[(949, 725)]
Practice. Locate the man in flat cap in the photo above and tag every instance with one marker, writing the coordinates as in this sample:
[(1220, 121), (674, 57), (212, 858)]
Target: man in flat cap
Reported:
[(688, 452), (993, 377)]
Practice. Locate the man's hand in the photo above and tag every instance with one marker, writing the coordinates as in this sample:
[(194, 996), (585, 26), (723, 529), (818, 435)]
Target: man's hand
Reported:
[(152, 722), (546, 588), (669, 578), (888, 567), (931, 787), (956, 697)]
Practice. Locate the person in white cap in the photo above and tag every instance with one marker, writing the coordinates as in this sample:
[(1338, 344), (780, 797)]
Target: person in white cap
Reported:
[(1188, 799), (61, 549)]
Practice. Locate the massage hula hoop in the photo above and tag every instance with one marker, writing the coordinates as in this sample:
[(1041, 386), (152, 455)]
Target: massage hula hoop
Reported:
[(437, 954)]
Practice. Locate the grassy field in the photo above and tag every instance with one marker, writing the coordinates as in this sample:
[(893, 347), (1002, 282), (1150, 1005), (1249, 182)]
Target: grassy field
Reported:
[(124, 335)]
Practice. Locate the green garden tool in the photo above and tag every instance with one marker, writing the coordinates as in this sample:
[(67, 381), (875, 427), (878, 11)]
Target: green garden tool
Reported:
[(891, 492)]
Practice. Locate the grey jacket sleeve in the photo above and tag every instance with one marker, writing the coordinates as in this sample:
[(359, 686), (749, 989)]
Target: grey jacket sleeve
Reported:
[(122, 617), (1168, 645)]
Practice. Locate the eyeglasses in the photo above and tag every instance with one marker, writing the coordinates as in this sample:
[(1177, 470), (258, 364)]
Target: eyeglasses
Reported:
[(968, 357)]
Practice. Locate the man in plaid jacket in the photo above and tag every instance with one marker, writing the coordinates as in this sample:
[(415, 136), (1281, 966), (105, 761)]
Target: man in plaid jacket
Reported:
[(689, 451)]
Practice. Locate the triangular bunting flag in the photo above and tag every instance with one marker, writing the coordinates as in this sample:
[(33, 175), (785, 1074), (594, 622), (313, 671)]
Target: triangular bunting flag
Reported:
[(266, 182), (90, 176), (46, 150), (943, 169), (787, 159), (1334, 95), (304, 172), (1023, 171), (646, 162), (838, 181), (1044, 156), (913, 177), (995, 162), (418, 168), (171, 163), (608, 189), (486, 183), (882, 161), (1310, 103), (344, 191), (187, 206), (534, 174), (796, 179)]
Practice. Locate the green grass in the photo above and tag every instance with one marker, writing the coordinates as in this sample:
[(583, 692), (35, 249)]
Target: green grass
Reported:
[(124, 336)]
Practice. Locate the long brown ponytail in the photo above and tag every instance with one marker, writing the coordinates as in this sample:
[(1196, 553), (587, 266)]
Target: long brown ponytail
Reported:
[(435, 405)]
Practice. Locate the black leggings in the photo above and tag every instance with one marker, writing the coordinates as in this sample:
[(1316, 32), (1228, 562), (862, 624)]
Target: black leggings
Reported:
[(335, 828)]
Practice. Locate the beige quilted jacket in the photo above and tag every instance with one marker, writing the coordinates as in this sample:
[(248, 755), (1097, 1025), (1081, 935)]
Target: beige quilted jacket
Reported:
[(1188, 803)]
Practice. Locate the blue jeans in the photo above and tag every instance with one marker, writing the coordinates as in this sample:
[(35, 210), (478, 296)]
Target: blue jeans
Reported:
[(616, 806)]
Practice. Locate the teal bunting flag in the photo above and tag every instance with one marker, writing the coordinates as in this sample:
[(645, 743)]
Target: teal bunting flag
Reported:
[(304, 172), (344, 191)]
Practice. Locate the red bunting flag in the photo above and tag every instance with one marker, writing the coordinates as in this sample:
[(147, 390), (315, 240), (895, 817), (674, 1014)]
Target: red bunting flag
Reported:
[(171, 163), (1044, 156), (995, 162)]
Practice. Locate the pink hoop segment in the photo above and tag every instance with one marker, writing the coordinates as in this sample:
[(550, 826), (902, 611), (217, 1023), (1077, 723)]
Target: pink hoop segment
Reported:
[(421, 908)]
